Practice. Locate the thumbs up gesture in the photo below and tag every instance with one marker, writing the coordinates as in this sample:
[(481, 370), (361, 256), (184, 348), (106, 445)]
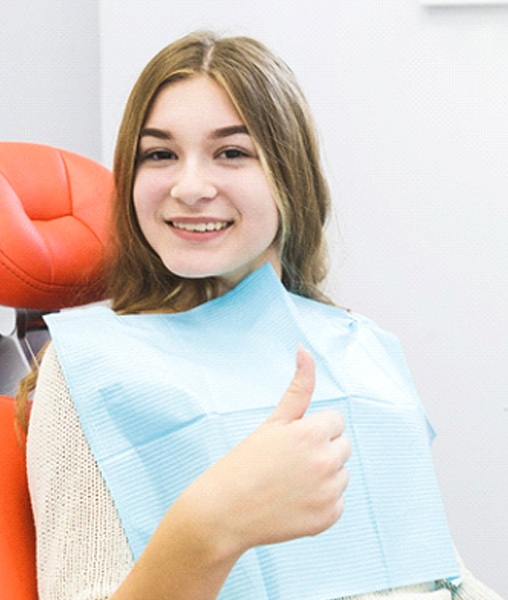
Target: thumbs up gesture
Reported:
[(285, 480), (296, 400)]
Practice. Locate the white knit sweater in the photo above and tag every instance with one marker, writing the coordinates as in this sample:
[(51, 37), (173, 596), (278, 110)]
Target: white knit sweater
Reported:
[(82, 550)]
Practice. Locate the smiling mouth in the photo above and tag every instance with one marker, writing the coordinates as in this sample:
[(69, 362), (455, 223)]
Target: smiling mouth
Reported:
[(201, 227)]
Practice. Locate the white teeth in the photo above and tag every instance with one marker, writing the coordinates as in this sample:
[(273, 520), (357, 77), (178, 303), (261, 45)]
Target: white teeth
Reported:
[(201, 227)]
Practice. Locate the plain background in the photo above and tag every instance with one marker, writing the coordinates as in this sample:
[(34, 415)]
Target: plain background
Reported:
[(411, 102)]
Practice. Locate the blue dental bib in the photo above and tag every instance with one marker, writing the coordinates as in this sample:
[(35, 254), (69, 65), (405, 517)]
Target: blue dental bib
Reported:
[(162, 397)]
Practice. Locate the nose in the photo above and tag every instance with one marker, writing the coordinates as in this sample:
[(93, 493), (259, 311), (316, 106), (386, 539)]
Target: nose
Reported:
[(192, 184)]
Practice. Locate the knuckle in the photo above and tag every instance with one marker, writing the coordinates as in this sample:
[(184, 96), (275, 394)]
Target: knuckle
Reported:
[(346, 448), (299, 385), (334, 513), (339, 508), (334, 420), (341, 422), (343, 477), (312, 431)]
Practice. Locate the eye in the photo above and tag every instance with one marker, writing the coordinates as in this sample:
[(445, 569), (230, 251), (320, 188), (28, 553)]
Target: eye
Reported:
[(233, 153), (157, 155)]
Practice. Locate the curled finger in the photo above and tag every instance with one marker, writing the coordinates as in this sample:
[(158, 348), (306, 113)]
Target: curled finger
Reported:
[(341, 447), (330, 421)]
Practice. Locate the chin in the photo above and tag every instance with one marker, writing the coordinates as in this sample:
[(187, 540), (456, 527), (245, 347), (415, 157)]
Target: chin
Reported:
[(186, 273)]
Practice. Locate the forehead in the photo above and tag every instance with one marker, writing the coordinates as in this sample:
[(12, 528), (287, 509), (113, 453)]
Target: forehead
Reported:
[(197, 101)]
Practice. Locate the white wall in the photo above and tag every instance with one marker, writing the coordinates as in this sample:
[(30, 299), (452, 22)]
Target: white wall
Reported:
[(411, 103), (49, 73), (412, 106)]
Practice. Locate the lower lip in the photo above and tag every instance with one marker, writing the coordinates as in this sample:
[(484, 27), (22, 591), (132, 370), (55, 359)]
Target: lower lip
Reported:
[(198, 236)]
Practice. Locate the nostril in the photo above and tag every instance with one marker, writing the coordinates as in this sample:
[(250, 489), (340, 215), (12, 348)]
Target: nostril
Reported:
[(193, 191)]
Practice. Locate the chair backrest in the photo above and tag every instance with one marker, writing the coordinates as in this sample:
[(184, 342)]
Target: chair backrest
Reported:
[(17, 536), (54, 221)]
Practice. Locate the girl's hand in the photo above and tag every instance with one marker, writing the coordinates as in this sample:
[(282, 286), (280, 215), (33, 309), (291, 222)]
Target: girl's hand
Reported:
[(284, 481)]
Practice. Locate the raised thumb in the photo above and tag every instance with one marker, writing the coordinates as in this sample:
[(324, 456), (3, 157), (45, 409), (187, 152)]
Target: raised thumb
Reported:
[(297, 398)]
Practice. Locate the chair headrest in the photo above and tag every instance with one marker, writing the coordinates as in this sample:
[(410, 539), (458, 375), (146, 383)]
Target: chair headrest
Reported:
[(54, 226)]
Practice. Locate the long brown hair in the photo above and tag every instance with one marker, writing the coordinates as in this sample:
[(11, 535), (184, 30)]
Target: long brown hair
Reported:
[(266, 95)]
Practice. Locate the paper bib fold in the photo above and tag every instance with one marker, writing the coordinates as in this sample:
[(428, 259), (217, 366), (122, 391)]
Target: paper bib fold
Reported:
[(162, 397)]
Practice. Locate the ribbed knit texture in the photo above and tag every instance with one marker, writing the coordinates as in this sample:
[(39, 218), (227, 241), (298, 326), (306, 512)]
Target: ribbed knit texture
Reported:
[(83, 553)]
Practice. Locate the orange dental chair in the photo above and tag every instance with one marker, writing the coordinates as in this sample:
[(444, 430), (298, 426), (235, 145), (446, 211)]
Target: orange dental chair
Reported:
[(54, 213)]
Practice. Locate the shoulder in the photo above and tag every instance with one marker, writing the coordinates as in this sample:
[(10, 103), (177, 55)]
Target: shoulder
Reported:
[(53, 410), (50, 372), (337, 319), (79, 316)]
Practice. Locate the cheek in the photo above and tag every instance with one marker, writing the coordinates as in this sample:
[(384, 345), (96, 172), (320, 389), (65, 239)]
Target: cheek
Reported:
[(263, 222), (263, 206), (145, 196)]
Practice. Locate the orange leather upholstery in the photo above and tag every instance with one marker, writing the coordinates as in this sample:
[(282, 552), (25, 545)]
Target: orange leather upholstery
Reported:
[(53, 226), (17, 536)]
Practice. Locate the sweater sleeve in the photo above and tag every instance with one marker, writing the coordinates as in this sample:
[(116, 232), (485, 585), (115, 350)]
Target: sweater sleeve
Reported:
[(82, 550)]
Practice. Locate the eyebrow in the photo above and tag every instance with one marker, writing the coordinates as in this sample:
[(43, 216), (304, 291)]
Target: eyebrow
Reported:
[(222, 132)]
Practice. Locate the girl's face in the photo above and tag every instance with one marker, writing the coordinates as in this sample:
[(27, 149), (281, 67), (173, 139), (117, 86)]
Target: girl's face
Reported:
[(200, 194)]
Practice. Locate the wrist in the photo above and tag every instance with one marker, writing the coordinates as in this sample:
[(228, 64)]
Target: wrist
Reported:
[(187, 557), (203, 519)]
